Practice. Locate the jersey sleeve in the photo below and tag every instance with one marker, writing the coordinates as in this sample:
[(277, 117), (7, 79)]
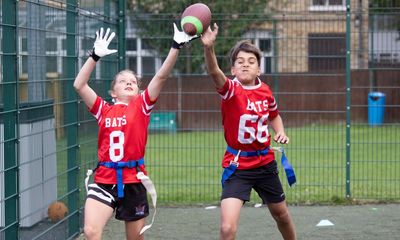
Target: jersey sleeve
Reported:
[(273, 108), (147, 104), (227, 91), (97, 108)]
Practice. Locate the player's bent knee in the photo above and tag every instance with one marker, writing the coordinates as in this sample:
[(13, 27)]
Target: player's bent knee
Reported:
[(228, 229), (92, 232), (283, 217)]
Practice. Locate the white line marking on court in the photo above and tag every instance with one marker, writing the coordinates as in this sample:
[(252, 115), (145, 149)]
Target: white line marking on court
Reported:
[(324, 223), (210, 207)]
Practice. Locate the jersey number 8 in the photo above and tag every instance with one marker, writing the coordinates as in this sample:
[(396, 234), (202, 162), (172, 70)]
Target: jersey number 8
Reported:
[(116, 150)]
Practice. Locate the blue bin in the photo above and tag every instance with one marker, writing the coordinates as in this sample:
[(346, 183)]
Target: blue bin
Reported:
[(376, 108)]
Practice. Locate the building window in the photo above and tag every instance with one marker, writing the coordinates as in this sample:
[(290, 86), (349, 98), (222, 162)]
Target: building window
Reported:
[(23, 58), (24, 45), (141, 57), (64, 44), (131, 44), (51, 44), (327, 5), (148, 65), (145, 44), (328, 2), (51, 64), (23, 65), (86, 43), (265, 45), (267, 65), (53, 55), (326, 52), (132, 63)]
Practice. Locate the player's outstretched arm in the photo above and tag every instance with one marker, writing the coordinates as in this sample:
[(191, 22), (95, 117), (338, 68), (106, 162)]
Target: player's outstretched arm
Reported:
[(100, 49), (277, 126), (208, 39), (156, 84)]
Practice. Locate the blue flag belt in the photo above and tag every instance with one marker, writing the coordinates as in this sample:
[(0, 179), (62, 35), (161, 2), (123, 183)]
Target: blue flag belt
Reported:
[(248, 154), (118, 166), (228, 171)]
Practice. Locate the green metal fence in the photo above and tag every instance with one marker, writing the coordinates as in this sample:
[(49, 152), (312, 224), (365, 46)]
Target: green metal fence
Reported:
[(43, 43), (333, 67)]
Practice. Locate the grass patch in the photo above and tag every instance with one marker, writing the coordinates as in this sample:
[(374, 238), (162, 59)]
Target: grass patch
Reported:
[(186, 166)]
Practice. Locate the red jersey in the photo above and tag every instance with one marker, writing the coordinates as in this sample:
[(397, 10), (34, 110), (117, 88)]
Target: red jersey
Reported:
[(246, 111), (122, 135)]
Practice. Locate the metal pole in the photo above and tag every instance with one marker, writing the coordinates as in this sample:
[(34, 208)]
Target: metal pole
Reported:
[(274, 60), (348, 95), (371, 66), (10, 101), (71, 117)]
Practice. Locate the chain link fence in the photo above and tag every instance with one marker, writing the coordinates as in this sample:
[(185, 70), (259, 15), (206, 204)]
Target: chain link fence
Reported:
[(332, 65)]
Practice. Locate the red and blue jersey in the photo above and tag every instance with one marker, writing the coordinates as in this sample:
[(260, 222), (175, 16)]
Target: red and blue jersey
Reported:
[(122, 135), (246, 111)]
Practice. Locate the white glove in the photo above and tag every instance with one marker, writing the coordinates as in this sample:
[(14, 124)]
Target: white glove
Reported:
[(181, 38), (100, 46)]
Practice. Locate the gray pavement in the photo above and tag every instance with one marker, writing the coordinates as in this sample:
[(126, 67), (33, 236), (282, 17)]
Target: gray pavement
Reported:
[(364, 222)]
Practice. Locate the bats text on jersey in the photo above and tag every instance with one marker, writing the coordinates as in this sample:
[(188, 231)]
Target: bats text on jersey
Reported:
[(115, 121), (257, 106)]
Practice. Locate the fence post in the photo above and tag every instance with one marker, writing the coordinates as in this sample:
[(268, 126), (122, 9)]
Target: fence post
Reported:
[(275, 60), (348, 95), (10, 101), (71, 117)]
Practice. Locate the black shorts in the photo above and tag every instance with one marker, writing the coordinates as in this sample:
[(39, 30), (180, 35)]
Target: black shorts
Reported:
[(132, 207), (264, 180)]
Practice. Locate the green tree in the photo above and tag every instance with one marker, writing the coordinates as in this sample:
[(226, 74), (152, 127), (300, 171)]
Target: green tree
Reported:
[(153, 21), (389, 8), (387, 5)]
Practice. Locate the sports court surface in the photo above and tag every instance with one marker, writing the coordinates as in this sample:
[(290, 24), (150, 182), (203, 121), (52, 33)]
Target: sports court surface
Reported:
[(364, 222)]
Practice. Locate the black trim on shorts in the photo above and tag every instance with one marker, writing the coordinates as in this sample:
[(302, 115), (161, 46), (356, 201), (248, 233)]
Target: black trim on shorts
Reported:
[(99, 189), (132, 207)]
